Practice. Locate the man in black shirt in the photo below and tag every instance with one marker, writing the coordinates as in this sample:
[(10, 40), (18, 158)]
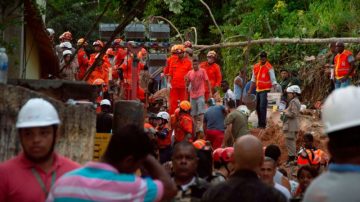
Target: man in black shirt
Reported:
[(104, 119), (244, 184)]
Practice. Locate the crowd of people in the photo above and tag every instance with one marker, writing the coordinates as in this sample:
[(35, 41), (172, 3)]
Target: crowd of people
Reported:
[(196, 149)]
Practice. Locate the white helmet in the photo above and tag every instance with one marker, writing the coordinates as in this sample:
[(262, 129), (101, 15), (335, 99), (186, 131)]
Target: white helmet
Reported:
[(37, 112), (164, 115), (50, 31), (341, 109), (294, 89), (67, 52), (243, 109), (105, 102), (66, 45)]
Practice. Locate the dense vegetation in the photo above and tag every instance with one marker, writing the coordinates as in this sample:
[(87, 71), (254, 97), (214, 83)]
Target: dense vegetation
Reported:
[(244, 19)]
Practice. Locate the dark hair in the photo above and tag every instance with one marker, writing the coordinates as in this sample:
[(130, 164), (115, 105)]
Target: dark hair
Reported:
[(263, 54), (224, 82), (313, 172), (231, 103), (183, 144), (273, 151), (309, 137), (284, 70), (131, 140), (204, 168), (344, 144)]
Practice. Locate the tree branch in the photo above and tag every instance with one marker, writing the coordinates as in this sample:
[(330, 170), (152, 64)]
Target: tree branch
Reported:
[(279, 41), (212, 17), (172, 25)]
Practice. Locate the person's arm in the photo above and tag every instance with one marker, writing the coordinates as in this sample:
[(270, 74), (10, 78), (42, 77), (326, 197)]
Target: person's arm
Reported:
[(238, 81), (351, 60), (218, 77), (209, 87), (227, 136), (272, 77), (157, 171), (253, 85), (292, 111), (285, 182)]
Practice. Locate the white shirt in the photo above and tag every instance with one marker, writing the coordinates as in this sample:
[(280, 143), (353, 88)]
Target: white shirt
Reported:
[(283, 190)]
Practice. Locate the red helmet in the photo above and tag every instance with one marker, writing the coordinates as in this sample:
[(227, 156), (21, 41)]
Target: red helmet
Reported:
[(187, 44), (217, 154), (223, 155), (98, 82), (66, 36), (98, 43)]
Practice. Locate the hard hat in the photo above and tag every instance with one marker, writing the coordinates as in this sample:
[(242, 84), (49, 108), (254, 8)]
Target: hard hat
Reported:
[(199, 144), (263, 54), (243, 109), (294, 89), (117, 41), (217, 154), (227, 154), (164, 115), (82, 41), (98, 43), (50, 31), (98, 82), (66, 35), (179, 49), (211, 54), (142, 53), (37, 112), (67, 52), (66, 45), (340, 110), (187, 44), (105, 102), (185, 105), (110, 51)]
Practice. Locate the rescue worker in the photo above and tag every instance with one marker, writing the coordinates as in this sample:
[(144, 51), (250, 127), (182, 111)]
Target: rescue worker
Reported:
[(223, 159), (68, 69), (101, 89), (104, 119), (213, 71), (184, 125), (177, 71), (164, 137), (263, 78), (344, 66), (290, 118), (120, 53), (82, 58), (341, 118), (97, 45), (31, 174), (101, 71), (169, 60), (65, 37)]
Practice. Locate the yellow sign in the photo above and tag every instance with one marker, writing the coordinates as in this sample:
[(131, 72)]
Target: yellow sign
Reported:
[(100, 144)]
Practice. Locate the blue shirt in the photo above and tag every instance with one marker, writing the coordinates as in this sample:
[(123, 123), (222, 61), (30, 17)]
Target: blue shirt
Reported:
[(214, 118), (237, 88)]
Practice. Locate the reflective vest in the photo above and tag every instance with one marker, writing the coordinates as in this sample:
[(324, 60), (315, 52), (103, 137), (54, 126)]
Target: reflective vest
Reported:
[(342, 66), (262, 76)]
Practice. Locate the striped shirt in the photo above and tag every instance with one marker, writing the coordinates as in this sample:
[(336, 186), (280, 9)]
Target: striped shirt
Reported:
[(98, 181)]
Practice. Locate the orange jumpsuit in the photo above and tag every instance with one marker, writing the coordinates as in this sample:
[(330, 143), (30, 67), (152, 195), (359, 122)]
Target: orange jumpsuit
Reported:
[(178, 68), (183, 127), (214, 74), (100, 72), (83, 61)]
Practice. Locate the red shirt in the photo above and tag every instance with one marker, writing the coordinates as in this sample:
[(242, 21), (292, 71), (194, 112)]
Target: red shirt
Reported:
[(18, 182), (197, 80), (83, 62), (177, 70)]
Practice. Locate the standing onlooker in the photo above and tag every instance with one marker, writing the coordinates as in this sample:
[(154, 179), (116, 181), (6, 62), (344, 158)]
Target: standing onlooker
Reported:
[(238, 87), (214, 123), (341, 118), (344, 63), (31, 174), (268, 170), (228, 93), (68, 69), (104, 119), (195, 81), (236, 125), (244, 184), (185, 162), (290, 118), (113, 178), (263, 78)]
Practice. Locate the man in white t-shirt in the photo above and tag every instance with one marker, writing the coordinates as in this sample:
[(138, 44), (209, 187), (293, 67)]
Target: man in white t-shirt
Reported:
[(228, 93), (268, 170)]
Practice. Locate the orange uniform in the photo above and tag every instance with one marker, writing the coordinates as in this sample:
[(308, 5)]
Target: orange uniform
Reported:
[(342, 65), (183, 127), (170, 59), (100, 72), (262, 76), (83, 61), (120, 56), (214, 74), (164, 139), (178, 68)]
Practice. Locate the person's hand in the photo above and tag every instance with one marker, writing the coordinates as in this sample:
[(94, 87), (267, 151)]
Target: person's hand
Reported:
[(168, 166), (169, 85)]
